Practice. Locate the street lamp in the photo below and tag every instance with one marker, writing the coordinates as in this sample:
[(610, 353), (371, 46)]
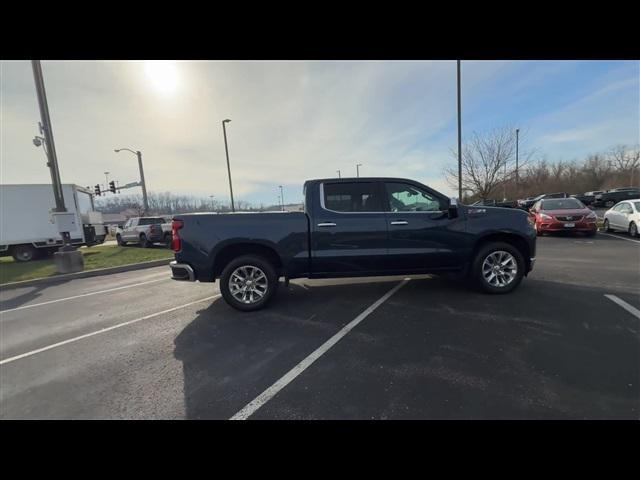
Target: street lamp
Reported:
[(142, 182), (338, 173), (226, 149), (282, 197), (358, 170), (106, 180), (517, 141), (459, 135)]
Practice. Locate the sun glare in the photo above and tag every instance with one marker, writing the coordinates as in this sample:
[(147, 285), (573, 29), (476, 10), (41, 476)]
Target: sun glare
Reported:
[(163, 75)]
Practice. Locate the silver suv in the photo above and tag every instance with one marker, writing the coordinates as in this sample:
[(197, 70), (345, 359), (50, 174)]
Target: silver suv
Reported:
[(146, 231)]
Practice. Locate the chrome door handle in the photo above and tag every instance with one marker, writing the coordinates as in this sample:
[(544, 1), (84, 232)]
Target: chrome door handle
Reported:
[(327, 224), (400, 222)]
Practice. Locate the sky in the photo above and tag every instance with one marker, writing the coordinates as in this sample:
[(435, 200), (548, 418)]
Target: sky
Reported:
[(296, 120)]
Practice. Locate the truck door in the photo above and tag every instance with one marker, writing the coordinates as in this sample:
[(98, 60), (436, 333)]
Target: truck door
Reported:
[(421, 234), (130, 232), (348, 229)]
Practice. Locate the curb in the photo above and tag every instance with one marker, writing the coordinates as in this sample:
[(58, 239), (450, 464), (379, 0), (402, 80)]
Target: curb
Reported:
[(89, 273)]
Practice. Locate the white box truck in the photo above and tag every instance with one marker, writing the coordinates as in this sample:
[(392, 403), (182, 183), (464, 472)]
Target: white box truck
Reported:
[(26, 225)]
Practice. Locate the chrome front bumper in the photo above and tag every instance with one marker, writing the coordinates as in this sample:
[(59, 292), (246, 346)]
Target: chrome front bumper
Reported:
[(182, 271)]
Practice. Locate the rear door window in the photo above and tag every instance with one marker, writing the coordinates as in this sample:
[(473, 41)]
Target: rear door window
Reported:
[(352, 197)]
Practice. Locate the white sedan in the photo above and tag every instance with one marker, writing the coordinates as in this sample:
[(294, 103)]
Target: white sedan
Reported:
[(623, 216)]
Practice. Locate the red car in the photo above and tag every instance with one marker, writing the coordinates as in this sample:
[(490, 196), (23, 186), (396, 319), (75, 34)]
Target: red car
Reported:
[(563, 215)]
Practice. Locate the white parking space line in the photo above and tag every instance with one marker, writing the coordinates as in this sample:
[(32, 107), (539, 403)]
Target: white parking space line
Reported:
[(84, 295), (270, 392), (103, 330), (629, 308), (621, 238)]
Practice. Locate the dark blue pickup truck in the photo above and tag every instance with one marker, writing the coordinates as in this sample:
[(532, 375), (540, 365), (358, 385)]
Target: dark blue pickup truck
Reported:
[(353, 227)]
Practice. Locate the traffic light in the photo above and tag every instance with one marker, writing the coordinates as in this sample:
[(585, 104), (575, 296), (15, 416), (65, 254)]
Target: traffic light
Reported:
[(96, 190), (112, 186)]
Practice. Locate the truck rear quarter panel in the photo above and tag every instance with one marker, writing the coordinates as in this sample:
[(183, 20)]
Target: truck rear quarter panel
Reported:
[(205, 236)]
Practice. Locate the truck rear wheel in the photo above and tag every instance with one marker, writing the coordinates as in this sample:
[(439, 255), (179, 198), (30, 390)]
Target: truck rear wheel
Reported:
[(121, 242), (24, 253), (248, 282), (498, 267), (144, 242)]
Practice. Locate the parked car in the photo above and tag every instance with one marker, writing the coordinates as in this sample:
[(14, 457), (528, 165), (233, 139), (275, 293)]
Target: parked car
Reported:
[(495, 203), (563, 214), (587, 197), (624, 216), (353, 227), (613, 196), (529, 202), (144, 230)]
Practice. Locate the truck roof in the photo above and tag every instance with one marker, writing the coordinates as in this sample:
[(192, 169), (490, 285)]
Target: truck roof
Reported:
[(360, 179)]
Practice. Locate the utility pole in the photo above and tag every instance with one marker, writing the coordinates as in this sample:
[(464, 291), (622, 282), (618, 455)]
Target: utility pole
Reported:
[(358, 170), (144, 184), (459, 136), (282, 197), (338, 173), (226, 149), (67, 259)]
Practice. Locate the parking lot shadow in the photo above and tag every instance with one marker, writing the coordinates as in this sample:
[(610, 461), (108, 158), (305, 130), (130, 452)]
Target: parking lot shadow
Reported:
[(230, 357), (8, 302)]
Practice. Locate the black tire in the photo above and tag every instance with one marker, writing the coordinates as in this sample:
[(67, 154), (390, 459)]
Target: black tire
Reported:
[(254, 261), (477, 267), (121, 242), (606, 226), (633, 229), (144, 242), (24, 253), (167, 240)]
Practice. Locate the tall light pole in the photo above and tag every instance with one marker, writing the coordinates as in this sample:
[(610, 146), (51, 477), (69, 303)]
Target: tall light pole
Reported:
[(459, 136), (338, 173), (517, 141), (138, 154), (358, 170), (68, 259), (226, 149), (282, 197), (50, 150), (106, 180)]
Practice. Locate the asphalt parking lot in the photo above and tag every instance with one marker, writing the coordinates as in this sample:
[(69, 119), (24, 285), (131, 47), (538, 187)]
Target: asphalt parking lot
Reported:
[(138, 345)]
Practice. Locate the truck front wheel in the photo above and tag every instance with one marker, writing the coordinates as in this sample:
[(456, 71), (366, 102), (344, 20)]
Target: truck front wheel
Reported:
[(24, 253), (498, 267), (248, 282)]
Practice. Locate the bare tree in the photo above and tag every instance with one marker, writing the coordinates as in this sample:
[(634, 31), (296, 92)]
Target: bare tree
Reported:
[(625, 159), (488, 162)]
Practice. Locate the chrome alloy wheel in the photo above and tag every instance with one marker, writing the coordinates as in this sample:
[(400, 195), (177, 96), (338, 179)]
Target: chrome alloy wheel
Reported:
[(248, 284), (499, 268)]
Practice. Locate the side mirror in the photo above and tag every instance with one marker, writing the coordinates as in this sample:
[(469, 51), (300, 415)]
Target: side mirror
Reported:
[(453, 208)]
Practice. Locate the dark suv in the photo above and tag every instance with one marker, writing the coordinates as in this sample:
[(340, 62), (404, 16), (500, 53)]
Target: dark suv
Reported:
[(615, 195)]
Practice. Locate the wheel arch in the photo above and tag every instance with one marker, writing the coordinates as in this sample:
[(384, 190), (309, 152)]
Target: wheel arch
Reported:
[(234, 250)]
